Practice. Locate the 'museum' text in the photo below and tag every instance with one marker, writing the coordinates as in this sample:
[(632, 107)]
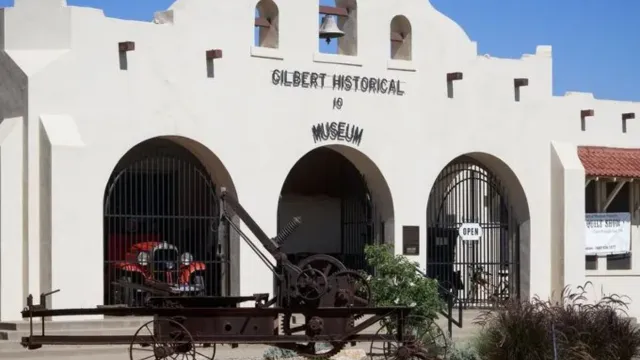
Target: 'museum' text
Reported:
[(340, 131)]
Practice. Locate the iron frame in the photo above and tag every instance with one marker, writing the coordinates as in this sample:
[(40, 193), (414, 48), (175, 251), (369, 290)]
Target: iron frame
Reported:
[(200, 314)]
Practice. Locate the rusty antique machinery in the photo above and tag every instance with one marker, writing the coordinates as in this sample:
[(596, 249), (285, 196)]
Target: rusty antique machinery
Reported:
[(326, 297)]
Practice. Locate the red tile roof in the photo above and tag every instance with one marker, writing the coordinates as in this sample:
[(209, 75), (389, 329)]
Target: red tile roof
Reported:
[(607, 161)]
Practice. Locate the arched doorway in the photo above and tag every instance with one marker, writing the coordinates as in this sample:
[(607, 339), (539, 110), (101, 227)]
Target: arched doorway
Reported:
[(473, 234), (160, 222), (339, 213)]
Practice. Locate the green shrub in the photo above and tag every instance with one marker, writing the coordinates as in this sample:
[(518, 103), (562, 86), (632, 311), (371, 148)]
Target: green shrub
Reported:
[(397, 283), (571, 329)]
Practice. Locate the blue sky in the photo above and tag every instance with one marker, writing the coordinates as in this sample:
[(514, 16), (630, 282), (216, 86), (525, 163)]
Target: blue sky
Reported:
[(596, 43)]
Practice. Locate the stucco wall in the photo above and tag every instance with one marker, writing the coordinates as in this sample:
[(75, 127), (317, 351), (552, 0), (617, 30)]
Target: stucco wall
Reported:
[(84, 113)]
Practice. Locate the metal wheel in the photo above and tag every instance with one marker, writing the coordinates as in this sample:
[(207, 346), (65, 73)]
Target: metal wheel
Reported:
[(424, 339), (205, 351), (163, 339), (325, 263), (315, 350), (353, 289), (311, 284)]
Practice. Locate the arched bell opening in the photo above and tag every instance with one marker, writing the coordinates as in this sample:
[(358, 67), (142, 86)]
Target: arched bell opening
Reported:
[(161, 215), (266, 24), (338, 27), (401, 38)]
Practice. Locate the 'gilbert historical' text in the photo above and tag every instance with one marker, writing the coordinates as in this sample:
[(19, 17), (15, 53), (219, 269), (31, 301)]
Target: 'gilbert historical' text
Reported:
[(316, 80)]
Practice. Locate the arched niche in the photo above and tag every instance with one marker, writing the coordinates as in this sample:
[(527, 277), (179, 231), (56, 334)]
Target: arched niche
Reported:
[(400, 38), (344, 202), (267, 31)]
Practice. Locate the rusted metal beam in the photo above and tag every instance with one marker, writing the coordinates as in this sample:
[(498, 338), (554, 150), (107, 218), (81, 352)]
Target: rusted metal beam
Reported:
[(209, 311), (333, 10), (212, 339)]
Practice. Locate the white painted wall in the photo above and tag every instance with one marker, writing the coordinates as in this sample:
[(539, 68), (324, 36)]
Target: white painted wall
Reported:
[(83, 113)]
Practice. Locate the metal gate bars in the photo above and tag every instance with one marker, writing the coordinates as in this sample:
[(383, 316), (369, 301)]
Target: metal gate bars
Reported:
[(160, 226), (472, 238)]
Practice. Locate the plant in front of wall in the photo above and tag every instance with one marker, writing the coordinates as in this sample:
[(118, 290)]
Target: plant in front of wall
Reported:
[(570, 329), (397, 283)]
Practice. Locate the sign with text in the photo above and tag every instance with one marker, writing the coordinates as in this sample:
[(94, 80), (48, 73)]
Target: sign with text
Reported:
[(608, 233), (340, 82), (340, 131), (470, 231)]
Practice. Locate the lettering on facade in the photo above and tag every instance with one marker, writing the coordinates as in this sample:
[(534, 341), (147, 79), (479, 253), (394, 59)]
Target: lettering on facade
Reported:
[(340, 131), (339, 82)]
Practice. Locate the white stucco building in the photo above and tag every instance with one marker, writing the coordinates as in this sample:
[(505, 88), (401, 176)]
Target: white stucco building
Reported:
[(118, 132)]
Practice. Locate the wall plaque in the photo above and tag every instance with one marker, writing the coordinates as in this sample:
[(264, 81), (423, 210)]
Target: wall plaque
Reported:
[(410, 240)]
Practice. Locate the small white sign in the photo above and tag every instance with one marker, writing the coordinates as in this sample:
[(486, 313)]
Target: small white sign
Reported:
[(608, 233), (470, 232)]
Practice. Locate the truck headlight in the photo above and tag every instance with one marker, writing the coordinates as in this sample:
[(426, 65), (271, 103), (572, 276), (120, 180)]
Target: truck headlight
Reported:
[(143, 259), (186, 259)]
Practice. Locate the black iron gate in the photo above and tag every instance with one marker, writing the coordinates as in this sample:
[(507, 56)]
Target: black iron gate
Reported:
[(361, 226), (472, 237), (160, 225)]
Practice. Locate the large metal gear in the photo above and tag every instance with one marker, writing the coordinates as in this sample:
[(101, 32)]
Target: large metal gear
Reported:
[(352, 289), (311, 284), (328, 264), (315, 271), (346, 288)]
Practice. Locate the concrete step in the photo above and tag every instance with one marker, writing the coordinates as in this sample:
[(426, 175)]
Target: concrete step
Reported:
[(5, 326), (5, 329)]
